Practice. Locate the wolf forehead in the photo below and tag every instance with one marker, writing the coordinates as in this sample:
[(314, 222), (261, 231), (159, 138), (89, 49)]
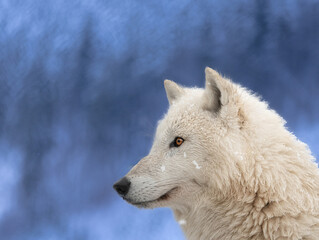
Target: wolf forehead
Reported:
[(186, 115), (184, 108)]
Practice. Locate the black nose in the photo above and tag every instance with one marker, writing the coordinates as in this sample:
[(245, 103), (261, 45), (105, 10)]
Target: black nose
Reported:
[(122, 186)]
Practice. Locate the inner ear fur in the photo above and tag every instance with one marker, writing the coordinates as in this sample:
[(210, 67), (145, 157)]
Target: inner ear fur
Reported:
[(216, 92), (173, 91)]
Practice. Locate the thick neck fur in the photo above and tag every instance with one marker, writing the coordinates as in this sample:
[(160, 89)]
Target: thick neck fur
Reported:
[(220, 219)]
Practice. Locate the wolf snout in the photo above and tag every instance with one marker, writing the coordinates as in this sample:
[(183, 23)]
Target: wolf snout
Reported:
[(122, 186)]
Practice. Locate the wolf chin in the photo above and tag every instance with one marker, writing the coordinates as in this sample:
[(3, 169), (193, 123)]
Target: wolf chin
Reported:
[(227, 167)]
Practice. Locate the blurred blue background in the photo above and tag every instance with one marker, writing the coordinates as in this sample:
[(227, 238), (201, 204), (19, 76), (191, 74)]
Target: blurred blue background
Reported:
[(81, 90)]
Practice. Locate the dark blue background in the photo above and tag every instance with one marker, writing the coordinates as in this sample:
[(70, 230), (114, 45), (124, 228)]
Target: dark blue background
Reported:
[(81, 90)]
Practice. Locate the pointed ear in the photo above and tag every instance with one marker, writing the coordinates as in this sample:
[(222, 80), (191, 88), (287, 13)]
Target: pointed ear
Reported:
[(173, 91), (216, 92)]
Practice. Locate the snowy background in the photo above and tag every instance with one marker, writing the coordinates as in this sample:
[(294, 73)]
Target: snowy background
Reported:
[(81, 90)]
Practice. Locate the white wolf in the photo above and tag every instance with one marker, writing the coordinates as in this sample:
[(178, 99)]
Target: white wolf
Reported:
[(228, 168)]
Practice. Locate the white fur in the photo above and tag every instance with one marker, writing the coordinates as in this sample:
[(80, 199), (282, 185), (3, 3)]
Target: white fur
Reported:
[(196, 164), (182, 222), (256, 180)]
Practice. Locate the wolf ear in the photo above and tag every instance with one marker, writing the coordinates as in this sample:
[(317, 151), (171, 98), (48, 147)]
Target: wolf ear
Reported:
[(173, 91), (216, 90)]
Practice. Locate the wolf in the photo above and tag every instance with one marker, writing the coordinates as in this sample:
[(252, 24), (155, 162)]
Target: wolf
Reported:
[(227, 166)]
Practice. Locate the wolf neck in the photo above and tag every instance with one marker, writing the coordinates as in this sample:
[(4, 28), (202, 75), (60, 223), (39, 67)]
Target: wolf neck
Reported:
[(226, 219)]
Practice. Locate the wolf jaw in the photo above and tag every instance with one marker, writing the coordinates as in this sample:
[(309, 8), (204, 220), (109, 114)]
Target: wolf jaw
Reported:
[(252, 178), (148, 204)]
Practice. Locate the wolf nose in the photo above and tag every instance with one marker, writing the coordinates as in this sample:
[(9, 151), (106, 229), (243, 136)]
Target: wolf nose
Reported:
[(122, 186)]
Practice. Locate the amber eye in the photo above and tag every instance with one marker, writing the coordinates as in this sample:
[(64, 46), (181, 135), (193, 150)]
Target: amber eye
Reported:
[(177, 142)]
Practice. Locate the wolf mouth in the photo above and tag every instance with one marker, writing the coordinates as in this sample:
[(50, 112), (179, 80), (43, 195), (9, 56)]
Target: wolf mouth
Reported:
[(164, 197)]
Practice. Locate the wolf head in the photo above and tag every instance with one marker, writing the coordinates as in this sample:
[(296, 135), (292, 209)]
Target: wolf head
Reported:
[(224, 161), (196, 148)]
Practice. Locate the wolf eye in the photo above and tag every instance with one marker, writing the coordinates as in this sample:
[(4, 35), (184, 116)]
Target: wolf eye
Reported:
[(177, 142)]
